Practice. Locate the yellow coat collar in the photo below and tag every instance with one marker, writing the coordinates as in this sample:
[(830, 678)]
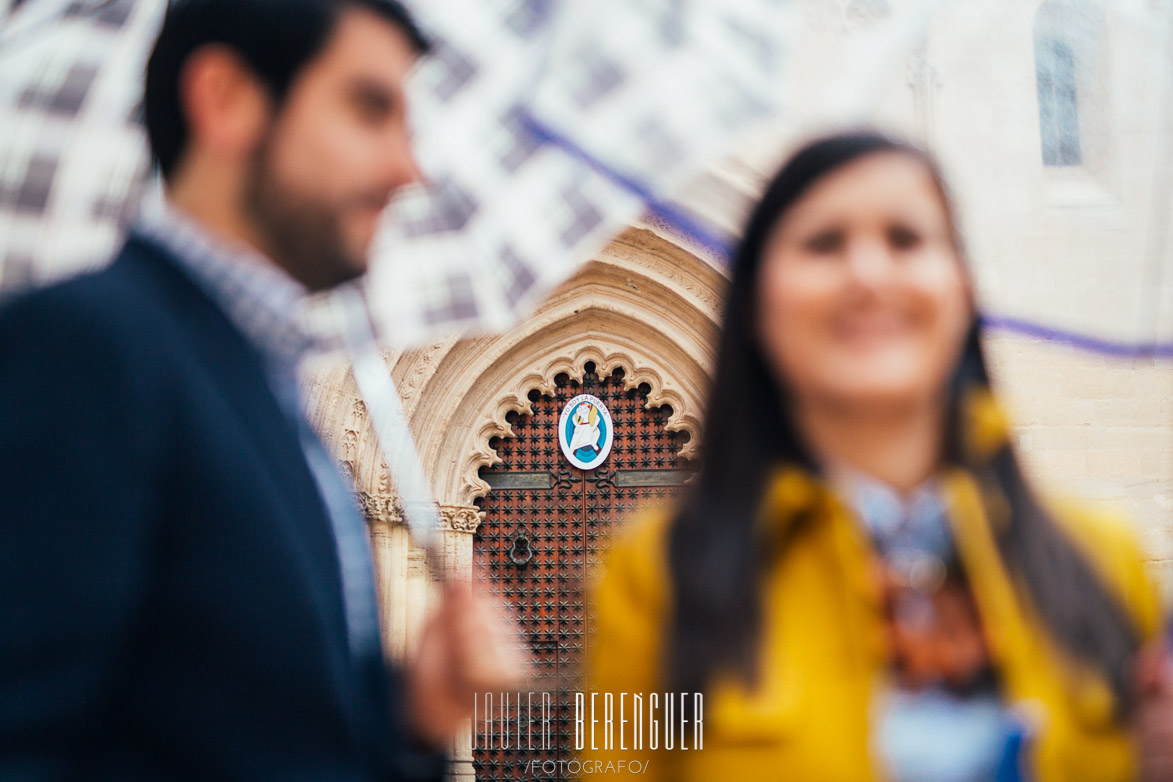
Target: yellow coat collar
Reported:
[(1032, 668)]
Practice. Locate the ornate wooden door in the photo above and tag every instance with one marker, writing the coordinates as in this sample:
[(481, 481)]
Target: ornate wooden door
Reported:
[(547, 525)]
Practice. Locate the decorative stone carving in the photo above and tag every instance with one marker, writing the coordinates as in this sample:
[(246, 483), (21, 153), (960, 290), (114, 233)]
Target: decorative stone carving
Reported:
[(646, 304), (516, 399), (416, 368), (461, 519), (387, 509), (381, 508)]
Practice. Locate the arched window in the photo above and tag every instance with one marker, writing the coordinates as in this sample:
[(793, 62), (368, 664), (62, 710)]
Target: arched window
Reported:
[(1058, 102), (1069, 73)]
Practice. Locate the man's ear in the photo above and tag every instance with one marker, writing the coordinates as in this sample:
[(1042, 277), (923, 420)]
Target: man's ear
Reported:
[(226, 106)]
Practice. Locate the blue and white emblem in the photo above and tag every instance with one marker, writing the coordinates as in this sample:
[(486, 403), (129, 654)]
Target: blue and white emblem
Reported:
[(584, 431)]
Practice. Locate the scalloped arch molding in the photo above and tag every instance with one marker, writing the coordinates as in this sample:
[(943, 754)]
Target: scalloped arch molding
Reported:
[(644, 304)]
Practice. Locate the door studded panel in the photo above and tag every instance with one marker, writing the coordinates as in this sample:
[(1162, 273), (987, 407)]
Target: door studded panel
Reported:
[(547, 526)]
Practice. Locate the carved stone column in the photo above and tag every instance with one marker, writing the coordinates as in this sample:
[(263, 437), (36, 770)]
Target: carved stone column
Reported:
[(459, 524), (407, 590)]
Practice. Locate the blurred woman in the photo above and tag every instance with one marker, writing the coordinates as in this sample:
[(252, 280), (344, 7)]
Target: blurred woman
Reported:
[(861, 582)]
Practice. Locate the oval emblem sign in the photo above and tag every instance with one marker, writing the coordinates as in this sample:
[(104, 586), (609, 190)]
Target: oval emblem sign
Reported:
[(584, 431)]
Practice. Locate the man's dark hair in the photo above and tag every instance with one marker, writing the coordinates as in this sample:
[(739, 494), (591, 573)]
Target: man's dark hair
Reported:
[(275, 38)]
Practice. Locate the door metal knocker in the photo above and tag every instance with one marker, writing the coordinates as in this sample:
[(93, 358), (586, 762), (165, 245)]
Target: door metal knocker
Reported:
[(520, 553)]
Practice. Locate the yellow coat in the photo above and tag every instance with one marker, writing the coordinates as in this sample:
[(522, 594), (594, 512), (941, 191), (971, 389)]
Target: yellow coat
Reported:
[(824, 656)]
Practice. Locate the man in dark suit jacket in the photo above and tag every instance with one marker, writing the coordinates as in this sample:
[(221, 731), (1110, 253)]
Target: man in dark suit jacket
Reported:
[(185, 585)]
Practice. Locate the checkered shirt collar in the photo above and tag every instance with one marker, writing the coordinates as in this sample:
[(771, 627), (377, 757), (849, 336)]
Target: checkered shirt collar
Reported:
[(258, 297)]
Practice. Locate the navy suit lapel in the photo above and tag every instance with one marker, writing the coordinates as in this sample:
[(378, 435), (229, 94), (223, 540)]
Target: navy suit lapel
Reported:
[(236, 368), (238, 372)]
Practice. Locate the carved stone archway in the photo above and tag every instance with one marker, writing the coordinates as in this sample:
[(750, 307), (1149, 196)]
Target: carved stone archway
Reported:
[(644, 304)]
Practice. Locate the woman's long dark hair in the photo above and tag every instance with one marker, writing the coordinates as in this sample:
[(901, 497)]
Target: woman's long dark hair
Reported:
[(717, 565)]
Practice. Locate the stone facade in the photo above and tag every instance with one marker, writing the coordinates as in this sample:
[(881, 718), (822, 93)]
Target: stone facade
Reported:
[(1078, 247), (1084, 248)]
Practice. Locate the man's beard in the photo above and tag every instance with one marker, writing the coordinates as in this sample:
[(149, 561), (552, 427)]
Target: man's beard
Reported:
[(301, 234)]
